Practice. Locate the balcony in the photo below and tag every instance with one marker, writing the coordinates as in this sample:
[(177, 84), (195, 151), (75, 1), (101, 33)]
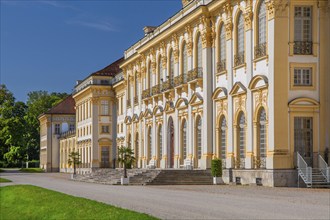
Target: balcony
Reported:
[(167, 85), (239, 59), (156, 90), (221, 66), (303, 47), (260, 162), (260, 50), (180, 80), (195, 74), (128, 103), (145, 93), (136, 100)]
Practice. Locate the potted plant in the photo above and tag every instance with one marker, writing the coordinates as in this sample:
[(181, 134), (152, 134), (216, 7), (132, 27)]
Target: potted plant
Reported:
[(74, 159), (216, 170), (126, 158)]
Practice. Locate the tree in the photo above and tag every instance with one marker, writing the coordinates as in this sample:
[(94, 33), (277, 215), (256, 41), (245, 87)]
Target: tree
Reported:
[(74, 159), (126, 158), (12, 128)]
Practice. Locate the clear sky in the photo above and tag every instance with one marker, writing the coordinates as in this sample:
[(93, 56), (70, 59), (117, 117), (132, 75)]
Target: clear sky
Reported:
[(48, 45)]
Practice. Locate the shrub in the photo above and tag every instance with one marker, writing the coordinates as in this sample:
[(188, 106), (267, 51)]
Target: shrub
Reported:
[(216, 168)]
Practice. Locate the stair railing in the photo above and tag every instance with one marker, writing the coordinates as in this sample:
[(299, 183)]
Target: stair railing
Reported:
[(304, 171), (324, 168)]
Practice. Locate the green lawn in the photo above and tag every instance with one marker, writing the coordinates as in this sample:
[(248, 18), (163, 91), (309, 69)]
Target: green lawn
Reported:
[(1, 170), (31, 202), (3, 180), (32, 170)]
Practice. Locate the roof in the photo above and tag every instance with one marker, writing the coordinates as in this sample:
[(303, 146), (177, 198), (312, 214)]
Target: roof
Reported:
[(110, 70), (64, 107)]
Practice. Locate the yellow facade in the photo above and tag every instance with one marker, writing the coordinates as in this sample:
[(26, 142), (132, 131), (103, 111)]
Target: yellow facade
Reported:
[(240, 80)]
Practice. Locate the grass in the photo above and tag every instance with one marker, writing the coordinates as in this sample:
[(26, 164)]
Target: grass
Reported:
[(32, 170), (1, 170), (31, 202), (3, 180)]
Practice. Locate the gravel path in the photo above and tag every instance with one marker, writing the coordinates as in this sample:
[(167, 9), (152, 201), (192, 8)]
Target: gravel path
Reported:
[(193, 202)]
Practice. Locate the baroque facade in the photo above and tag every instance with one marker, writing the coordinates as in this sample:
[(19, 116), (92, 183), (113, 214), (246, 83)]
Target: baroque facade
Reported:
[(241, 80)]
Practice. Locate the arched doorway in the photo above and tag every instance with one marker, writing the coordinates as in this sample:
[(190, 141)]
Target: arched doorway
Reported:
[(136, 149), (170, 143)]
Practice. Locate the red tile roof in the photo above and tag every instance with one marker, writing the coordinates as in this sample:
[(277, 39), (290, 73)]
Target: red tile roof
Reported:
[(110, 70), (65, 107)]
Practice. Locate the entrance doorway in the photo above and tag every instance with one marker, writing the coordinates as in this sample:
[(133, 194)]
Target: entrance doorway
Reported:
[(170, 143), (303, 138), (105, 157)]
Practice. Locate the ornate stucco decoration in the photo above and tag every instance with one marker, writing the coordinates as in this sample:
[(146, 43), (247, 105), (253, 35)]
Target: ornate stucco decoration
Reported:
[(276, 8), (248, 16), (228, 24), (175, 48), (189, 41), (163, 53), (207, 31)]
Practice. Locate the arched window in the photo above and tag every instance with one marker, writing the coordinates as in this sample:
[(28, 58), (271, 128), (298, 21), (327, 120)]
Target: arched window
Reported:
[(262, 23), (262, 133), (160, 70), (239, 57), (149, 144), (137, 148), (129, 141), (160, 142), (241, 128), (184, 139), (171, 67), (223, 141), (149, 76), (136, 87), (199, 137), (260, 48), (184, 61), (199, 52), (222, 48)]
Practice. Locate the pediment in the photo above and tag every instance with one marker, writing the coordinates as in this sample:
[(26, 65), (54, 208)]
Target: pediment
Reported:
[(169, 106), (148, 113), (158, 110), (135, 118), (181, 103), (304, 102), (238, 89), (196, 99), (220, 93), (258, 81), (128, 119)]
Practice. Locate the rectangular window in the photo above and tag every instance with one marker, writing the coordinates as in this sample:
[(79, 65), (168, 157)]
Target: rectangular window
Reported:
[(302, 76), (71, 127), (104, 107), (105, 129), (303, 30), (57, 128)]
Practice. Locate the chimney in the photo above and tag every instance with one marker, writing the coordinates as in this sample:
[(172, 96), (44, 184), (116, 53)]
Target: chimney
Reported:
[(148, 29)]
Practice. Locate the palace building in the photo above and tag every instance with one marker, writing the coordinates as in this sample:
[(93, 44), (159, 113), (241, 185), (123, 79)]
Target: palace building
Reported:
[(241, 80)]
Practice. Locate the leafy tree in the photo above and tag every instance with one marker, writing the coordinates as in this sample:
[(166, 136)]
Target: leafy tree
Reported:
[(74, 159), (19, 124), (12, 127), (126, 158)]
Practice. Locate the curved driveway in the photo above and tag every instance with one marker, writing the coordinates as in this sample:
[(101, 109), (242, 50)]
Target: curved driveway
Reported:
[(193, 202)]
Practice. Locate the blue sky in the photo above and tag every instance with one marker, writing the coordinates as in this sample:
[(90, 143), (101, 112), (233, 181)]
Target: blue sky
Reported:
[(48, 45)]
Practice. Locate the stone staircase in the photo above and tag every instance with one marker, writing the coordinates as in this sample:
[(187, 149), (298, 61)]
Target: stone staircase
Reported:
[(148, 177), (318, 180), (182, 177)]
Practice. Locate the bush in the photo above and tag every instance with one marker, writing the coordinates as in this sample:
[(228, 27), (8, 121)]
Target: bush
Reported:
[(216, 168)]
